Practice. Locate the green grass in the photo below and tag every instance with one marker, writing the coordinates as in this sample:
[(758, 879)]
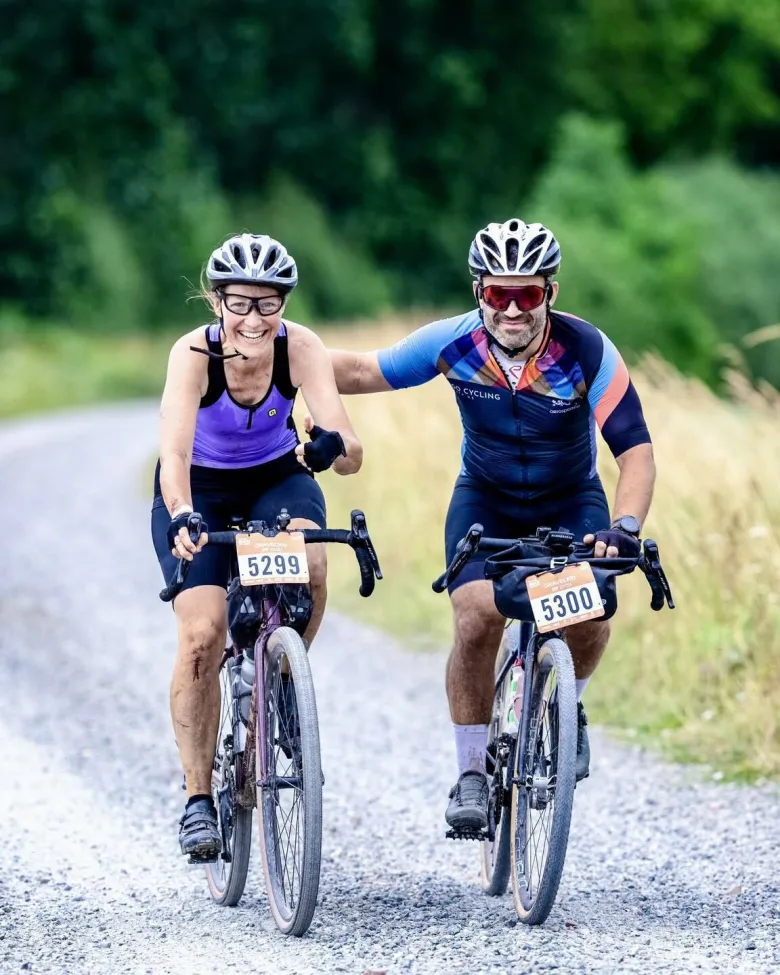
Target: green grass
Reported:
[(57, 368)]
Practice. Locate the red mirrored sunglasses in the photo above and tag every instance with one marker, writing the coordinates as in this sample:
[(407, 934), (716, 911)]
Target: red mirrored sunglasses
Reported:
[(526, 296)]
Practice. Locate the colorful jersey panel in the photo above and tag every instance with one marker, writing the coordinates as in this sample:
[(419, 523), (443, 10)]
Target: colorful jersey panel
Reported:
[(540, 439)]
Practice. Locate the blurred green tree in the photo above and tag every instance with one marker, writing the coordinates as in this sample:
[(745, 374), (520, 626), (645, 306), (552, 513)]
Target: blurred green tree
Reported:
[(682, 76), (376, 137)]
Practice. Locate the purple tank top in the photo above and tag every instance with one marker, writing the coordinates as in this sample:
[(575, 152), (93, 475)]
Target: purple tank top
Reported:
[(229, 435)]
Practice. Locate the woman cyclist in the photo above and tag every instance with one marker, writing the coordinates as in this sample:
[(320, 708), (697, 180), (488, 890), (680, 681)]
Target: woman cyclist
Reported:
[(228, 446)]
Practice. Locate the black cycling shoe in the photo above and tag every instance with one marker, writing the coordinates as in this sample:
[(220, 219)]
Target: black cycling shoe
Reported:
[(468, 808), (582, 768), (199, 831)]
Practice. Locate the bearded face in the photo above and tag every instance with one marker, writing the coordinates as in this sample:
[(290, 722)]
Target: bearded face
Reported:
[(512, 326)]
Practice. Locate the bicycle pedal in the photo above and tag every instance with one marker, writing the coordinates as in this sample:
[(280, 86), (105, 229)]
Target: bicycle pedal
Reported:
[(466, 834), (200, 859)]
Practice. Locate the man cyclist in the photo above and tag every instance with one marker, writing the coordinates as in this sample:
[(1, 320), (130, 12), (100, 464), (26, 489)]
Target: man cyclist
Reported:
[(531, 383), (228, 446)]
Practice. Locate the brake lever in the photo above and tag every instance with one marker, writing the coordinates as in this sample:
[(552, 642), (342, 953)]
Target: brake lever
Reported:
[(360, 532), (466, 547), (653, 567)]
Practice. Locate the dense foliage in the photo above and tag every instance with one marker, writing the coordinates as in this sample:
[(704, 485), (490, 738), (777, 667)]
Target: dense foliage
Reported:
[(375, 136)]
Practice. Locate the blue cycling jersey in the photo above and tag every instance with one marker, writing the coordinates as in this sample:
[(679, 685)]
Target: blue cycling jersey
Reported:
[(540, 439)]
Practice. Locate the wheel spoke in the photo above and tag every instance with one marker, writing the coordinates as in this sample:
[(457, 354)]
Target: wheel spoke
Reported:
[(289, 856), (542, 765), (538, 836), (226, 877), (287, 802)]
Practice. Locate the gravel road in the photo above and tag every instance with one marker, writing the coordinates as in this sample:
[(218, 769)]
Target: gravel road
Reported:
[(666, 873)]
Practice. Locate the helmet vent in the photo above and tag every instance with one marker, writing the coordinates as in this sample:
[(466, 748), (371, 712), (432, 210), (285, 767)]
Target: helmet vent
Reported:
[(533, 252), (512, 251), (255, 253), (489, 245), (239, 255), (513, 226), (220, 266), (271, 258)]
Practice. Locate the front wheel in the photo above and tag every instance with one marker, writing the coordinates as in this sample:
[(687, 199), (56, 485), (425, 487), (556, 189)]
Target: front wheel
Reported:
[(227, 875), (543, 789), (289, 783)]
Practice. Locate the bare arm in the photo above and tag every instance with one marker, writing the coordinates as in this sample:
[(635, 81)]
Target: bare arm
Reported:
[(635, 484), (358, 372), (184, 385), (311, 369)]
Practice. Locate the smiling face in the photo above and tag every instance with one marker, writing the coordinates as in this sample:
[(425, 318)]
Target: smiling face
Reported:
[(512, 327), (252, 334)]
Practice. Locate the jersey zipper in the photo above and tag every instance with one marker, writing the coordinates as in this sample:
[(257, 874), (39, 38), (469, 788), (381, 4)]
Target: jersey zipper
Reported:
[(252, 410), (517, 409), (516, 413)]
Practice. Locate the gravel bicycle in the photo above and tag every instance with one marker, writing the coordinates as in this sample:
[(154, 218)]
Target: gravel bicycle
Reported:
[(268, 747), (542, 584)]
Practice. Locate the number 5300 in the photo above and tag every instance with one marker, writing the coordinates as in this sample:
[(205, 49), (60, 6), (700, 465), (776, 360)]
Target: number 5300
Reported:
[(567, 603)]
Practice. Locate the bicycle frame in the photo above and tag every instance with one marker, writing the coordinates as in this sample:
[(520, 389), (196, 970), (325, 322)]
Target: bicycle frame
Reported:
[(529, 644)]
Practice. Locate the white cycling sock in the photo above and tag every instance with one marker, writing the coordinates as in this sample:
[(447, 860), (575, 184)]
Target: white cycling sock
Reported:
[(470, 744), (581, 684)]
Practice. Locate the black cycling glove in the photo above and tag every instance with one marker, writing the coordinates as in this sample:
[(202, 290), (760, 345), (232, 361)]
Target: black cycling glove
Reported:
[(628, 546), (190, 520), (325, 446)]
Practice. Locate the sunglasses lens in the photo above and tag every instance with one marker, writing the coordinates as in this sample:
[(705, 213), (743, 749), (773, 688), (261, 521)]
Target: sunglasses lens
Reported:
[(525, 297), (496, 297)]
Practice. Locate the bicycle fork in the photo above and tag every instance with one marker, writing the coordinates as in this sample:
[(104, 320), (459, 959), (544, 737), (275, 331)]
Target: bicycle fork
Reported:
[(523, 736), (273, 620)]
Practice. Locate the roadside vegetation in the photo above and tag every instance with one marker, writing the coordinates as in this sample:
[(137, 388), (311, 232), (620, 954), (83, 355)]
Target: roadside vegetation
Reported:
[(703, 681)]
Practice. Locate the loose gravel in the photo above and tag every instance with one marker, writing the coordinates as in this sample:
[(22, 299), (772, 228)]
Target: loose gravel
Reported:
[(666, 872)]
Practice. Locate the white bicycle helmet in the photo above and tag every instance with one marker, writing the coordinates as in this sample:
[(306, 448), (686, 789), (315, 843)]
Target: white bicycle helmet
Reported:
[(252, 259), (514, 247)]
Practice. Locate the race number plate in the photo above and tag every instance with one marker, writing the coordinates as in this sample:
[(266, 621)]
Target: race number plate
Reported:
[(263, 560), (559, 599)]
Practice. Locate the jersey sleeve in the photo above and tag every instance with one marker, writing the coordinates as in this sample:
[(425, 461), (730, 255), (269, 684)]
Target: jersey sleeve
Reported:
[(615, 403), (414, 360)]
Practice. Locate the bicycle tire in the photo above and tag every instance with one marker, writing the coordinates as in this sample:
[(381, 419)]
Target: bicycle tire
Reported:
[(494, 856), (556, 710), (227, 878), (292, 908)]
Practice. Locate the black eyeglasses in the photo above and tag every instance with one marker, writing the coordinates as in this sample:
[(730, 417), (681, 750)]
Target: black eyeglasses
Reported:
[(243, 305)]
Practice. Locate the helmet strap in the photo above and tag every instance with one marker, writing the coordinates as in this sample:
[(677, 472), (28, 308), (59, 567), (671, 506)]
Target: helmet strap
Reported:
[(216, 355), (233, 355), (512, 353)]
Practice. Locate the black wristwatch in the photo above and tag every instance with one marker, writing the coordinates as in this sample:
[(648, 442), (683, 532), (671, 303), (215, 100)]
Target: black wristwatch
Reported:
[(627, 524)]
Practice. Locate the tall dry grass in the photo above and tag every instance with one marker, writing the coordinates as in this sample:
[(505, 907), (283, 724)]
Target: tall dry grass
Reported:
[(704, 680)]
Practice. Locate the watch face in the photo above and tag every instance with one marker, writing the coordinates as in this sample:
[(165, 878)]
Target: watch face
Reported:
[(629, 524)]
